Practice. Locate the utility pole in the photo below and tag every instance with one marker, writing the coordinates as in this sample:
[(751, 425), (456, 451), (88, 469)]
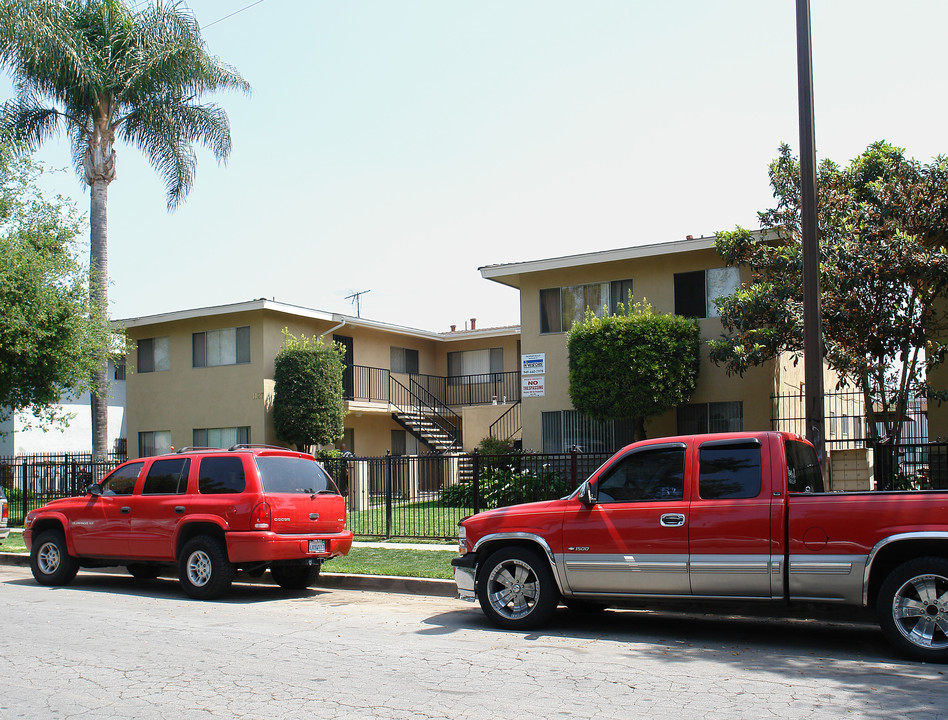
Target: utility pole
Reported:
[(812, 315)]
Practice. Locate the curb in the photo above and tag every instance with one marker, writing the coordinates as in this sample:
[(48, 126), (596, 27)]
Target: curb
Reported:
[(342, 581)]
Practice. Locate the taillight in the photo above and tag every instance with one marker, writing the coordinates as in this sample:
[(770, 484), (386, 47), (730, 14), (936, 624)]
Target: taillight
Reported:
[(260, 517), (4, 515)]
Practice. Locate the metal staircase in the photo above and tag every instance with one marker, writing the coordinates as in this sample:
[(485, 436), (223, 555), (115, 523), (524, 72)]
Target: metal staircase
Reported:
[(425, 417)]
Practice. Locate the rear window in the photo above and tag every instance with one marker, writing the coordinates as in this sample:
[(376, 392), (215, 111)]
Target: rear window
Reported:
[(729, 471), (803, 468), (221, 476), (280, 474)]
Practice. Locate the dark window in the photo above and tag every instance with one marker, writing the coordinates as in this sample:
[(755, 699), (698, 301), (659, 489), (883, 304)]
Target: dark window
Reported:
[(550, 317), (690, 294), (119, 373), (700, 418), (403, 360), (167, 477), (729, 471), (122, 480), (153, 354), (803, 468), (649, 475), (221, 475), (620, 291), (293, 475)]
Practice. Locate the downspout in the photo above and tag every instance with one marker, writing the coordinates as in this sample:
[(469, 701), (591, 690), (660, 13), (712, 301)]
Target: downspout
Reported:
[(333, 329)]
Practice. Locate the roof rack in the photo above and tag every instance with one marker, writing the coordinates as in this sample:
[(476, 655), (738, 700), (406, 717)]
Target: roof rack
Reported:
[(261, 446), (197, 448)]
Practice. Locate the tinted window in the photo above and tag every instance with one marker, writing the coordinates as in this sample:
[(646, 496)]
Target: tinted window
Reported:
[(122, 480), (293, 475), (220, 475), (729, 471), (803, 468), (167, 477), (645, 475)]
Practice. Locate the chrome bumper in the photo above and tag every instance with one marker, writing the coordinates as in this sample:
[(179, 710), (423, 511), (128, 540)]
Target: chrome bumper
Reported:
[(464, 571)]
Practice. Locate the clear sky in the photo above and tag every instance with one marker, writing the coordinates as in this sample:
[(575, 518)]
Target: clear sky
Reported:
[(396, 146)]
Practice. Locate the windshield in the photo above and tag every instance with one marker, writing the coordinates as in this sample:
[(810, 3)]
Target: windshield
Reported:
[(280, 474)]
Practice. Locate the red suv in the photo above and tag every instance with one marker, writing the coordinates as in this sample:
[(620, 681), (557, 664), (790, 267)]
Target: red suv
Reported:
[(211, 512)]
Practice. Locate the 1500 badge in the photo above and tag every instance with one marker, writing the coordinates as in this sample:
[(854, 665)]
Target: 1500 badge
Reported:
[(578, 549)]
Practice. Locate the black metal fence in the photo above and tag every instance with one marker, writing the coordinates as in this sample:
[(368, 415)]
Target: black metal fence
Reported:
[(910, 466), (424, 496), (31, 481)]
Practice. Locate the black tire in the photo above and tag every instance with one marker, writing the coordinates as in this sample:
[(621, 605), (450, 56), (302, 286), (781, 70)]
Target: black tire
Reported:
[(204, 571), (516, 589), (50, 561), (143, 571), (913, 609), (294, 577)]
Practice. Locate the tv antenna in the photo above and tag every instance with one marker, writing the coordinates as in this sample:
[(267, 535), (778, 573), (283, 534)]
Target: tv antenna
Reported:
[(356, 299)]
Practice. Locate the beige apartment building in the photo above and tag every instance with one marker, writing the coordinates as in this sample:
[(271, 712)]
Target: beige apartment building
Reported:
[(681, 277), (205, 377)]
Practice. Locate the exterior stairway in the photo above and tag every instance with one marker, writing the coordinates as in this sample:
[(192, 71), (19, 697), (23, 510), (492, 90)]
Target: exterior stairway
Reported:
[(425, 417)]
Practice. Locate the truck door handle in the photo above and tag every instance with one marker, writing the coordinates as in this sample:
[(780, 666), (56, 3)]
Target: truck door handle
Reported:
[(126, 510), (179, 509), (672, 520)]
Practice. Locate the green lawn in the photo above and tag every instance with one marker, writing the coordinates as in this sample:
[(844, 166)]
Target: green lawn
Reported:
[(430, 520), (360, 560)]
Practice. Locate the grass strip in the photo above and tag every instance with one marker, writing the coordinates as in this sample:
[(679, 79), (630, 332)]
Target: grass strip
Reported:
[(360, 560)]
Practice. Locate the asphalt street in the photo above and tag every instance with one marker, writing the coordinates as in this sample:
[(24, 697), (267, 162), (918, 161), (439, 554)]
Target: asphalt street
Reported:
[(108, 646)]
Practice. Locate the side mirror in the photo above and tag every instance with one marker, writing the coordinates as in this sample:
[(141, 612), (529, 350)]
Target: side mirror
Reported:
[(586, 495), (95, 489)]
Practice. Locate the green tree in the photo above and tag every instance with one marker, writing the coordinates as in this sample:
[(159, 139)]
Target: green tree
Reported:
[(632, 365), (308, 406), (102, 70), (884, 272), (51, 336)]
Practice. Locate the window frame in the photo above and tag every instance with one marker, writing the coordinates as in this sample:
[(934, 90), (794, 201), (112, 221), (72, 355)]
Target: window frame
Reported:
[(552, 302), (200, 344)]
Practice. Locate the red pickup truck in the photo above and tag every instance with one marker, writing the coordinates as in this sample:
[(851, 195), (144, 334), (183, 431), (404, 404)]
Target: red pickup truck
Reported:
[(208, 511), (733, 516)]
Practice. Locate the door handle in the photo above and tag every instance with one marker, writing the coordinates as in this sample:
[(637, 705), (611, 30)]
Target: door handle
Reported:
[(179, 509), (126, 510), (672, 520)]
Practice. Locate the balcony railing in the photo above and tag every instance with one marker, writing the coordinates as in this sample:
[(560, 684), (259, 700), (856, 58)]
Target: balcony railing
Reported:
[(372, 385)]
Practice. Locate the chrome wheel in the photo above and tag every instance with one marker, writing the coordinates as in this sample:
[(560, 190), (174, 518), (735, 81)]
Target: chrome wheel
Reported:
[(513, 589), (920, 611), (48, 558), (200, 568)]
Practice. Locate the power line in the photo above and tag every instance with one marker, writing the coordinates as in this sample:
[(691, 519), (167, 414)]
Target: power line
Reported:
[(236, 12)]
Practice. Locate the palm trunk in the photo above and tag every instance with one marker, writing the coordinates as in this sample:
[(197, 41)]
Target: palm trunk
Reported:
[(99, 295), (100, 171)]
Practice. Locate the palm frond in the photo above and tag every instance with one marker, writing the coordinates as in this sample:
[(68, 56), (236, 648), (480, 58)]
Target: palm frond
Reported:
[(28, 121)]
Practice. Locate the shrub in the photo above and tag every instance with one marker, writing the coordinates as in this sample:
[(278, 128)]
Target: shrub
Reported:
[(502, 486)]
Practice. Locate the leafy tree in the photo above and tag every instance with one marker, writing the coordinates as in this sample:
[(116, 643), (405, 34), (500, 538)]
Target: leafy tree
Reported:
[(308, 406), (632, 365), (884, 272), (51, 336), (102, 70)]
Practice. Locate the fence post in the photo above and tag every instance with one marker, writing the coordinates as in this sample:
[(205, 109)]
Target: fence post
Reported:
[(23, 487), (388, 494), (572, 468), (476, 472)]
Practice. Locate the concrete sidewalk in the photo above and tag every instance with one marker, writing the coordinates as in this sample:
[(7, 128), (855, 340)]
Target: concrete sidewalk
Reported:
[(376, 583)]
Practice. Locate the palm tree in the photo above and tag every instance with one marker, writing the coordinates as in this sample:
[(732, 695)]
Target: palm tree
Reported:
[(102, 70)]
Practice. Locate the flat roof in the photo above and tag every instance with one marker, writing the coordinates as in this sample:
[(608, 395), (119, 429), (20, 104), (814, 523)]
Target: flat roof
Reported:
[(509, 273), (263, 304)]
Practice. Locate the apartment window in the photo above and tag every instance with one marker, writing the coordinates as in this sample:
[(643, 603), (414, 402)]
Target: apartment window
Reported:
[(154, 354), (220, 437), (565, 430), (695, 292), (118, 371), (227, 346), (716, 417), (560, 307), (404, 360), (465, 364), (154, 442)]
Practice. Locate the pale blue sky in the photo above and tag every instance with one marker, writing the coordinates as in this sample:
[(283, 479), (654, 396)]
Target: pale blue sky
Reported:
[(397, 145)]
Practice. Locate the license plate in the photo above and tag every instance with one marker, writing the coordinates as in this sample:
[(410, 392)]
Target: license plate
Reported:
[(317, 546)]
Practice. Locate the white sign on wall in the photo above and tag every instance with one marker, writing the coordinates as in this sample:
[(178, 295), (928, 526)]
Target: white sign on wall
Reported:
[(532, 386), (533, 364)]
